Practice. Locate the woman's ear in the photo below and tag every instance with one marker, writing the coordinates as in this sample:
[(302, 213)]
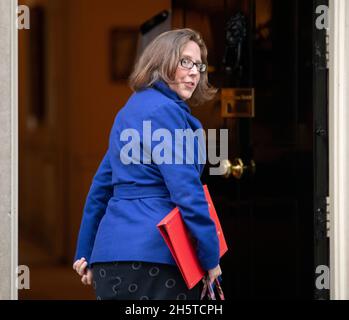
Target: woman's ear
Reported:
[(155, 76)]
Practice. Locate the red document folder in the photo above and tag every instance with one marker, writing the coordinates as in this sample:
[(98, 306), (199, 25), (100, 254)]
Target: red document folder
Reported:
[(176, 235)]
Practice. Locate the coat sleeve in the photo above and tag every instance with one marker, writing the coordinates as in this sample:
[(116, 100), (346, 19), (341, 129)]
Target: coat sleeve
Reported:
[(185, 187), (100, 192)]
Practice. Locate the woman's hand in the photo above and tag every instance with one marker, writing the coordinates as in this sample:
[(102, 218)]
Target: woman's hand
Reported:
[(214, 273), (80, 266)]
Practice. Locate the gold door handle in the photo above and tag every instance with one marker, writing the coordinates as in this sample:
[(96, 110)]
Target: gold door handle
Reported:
[(237, 168)]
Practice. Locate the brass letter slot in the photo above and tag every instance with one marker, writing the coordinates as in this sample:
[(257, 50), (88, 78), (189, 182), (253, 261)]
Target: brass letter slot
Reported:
[(237, 102)]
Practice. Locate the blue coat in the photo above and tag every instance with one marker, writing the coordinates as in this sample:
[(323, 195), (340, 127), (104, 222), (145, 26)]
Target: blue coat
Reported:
[(126, 202)]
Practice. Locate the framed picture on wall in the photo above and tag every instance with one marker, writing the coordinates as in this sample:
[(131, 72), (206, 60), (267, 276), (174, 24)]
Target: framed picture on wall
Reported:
[(36, 54), (123, 52)]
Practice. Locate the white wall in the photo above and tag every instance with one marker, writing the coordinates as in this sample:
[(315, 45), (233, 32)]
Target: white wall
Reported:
[(8, 149)]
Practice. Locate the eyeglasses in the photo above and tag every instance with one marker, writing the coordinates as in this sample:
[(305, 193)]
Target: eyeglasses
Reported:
[(188, 64)]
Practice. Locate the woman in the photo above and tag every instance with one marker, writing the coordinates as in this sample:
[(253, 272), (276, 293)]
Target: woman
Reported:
[(119, 248)]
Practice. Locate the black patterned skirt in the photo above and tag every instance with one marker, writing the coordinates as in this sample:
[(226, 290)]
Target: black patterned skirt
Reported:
[(124, 280)]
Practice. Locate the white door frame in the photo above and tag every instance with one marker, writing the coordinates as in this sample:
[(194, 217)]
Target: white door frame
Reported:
[(9, 149), (339, 148), (14, 150)]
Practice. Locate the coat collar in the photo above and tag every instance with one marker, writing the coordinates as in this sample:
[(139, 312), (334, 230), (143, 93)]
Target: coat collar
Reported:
[(163, 87)]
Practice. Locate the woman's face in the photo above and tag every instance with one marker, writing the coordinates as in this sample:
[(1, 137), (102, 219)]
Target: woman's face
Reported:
[(186, 80)]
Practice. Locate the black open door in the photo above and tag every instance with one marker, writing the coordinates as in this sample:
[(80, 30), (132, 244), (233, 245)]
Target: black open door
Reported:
[(277, 142), (321, 155)]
